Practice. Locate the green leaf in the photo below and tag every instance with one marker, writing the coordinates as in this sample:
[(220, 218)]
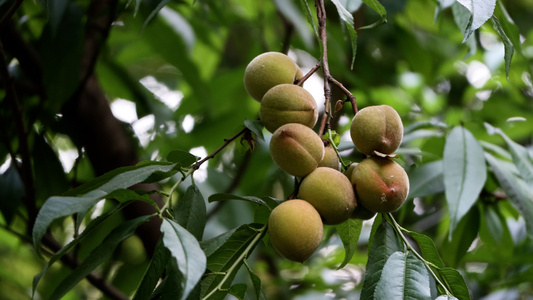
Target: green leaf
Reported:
[(124, 177), (265, 201), (481, 12), (428, 249), (154, 272), (191, 212), (97, 189), (99, 255), (465, 173), (508, 45), (181, 157), (519, 154), (404, 276), (125, 195), (227, 259), (309, 15), (465, 233), (91, 227), (57, 207), (377, 7), (238, 290), (256, 126), (516, 189), (256, 281), (426, 180), (384, 244), (210, 246), (186, 250), (12, 188), (347, 17), (349, 232), (153, 13), (455, 282)]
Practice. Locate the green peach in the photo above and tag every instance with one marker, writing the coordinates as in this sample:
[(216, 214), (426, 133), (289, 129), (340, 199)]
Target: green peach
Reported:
[(377, 129), (295, 229), (288, 103), (331, 193), (296, 149), (331, 159), (268, 70), (381, 184)]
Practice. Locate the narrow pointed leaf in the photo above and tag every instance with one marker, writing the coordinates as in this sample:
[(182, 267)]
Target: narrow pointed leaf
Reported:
[(455, 282), (91, 227), (508, 45), (481, 10), (98, 256), (428, 249), (181, 157), (228, 258), (191, 212), (347, 17), (404, 276), (384, 244), (349, 232), (186, 250), (515, 188), (256, 126), (154, 272), (465, 173), (256, 281)]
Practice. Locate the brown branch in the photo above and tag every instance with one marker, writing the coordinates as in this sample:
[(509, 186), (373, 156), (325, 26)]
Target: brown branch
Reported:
[(197, 165), (348, 94), (301, 81), (321, 14)]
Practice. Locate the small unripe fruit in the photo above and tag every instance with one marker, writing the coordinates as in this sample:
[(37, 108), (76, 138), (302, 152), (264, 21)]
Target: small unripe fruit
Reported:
[(381, 184), (331, 193), (288, 103), (296, 149), (295, 229), (377, 128), (268, 70), (348, 172), (331, 159)]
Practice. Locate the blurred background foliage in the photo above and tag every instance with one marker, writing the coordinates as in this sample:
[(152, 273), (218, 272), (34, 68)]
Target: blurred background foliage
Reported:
[(174, 81)]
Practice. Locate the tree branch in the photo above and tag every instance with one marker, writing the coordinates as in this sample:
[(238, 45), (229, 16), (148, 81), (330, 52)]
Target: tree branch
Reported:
[(321, 14)]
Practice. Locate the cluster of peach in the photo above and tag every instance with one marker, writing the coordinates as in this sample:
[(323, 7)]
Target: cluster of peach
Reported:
[(325, 194)]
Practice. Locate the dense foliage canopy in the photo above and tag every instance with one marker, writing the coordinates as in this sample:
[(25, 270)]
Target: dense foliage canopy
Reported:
[(133, 163)]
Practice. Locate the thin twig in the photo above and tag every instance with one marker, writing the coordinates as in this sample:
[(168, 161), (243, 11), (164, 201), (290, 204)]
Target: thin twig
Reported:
[(348, 94), (197, 165), (321, 14), (301, 81)]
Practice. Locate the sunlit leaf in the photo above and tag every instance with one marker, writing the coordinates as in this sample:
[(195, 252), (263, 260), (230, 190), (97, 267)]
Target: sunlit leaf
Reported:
[(428, 249), (465, 173), (186, 250), (379, 8), (481, 10), (181, 157)]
